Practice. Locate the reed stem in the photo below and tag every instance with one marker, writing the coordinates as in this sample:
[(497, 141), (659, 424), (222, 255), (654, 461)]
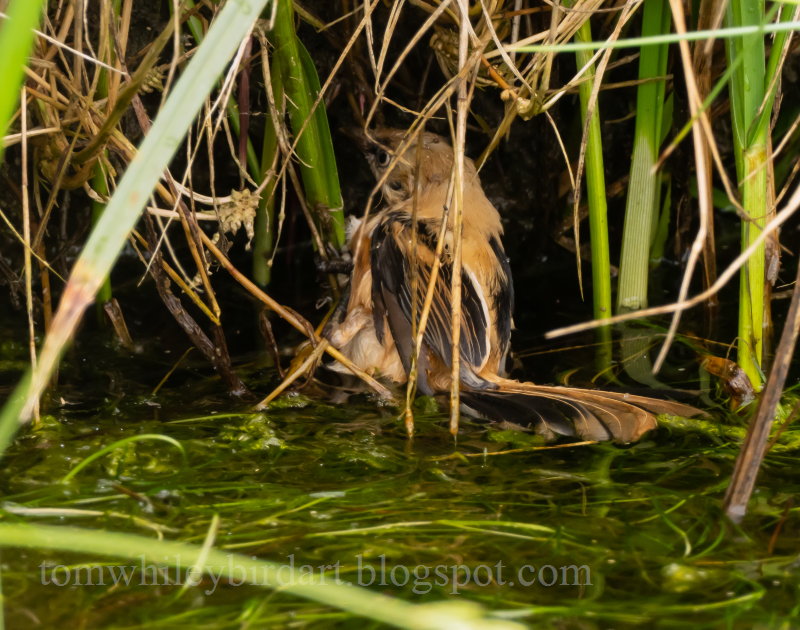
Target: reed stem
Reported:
[(642, 205), (598, 207)]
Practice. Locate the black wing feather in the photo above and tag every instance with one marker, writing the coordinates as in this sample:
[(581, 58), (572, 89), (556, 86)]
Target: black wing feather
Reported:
[(503, 294), (391, 297)]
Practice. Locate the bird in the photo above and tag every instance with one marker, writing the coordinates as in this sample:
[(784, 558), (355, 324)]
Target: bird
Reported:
[(373, 327)]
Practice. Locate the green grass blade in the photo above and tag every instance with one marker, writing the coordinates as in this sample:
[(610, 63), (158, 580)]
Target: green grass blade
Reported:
[(16, 41), (598, 207), (658, 40), (110, 234), (142, 437), (240, 568)]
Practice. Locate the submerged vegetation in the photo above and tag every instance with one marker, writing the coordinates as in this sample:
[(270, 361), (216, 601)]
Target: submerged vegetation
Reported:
[(149, 147)]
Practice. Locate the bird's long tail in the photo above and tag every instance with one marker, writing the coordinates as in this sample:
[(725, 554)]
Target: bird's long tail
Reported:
[(584, 413)]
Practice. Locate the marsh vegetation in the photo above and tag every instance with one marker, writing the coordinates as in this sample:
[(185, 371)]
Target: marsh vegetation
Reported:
[(176, 174)]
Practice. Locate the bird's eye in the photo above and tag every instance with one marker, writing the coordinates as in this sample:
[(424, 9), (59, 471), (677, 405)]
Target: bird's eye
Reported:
[(382, 158), (395, 185)]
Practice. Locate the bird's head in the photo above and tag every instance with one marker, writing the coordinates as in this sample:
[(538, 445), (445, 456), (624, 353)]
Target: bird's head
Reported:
[(432, 160)]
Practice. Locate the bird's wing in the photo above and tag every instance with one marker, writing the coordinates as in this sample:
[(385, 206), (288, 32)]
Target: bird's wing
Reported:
[(391, 296)]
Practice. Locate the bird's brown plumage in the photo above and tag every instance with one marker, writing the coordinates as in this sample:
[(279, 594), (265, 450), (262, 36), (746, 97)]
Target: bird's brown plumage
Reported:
[(375, 331)]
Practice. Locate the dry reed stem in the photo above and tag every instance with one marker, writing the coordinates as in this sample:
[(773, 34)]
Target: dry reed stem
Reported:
[(701, 146), (26, 231), (303, 368), (411, 385), (292, 318), (458, 216), (175, 277), (710, 15), (426, 305)]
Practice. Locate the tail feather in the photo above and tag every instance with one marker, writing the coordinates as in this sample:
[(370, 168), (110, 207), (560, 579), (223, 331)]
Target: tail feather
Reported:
[(584, 413)]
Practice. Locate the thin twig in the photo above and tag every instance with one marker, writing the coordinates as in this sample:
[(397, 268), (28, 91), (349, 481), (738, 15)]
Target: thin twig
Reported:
[(26, 231), (301, 369), (700, 145)]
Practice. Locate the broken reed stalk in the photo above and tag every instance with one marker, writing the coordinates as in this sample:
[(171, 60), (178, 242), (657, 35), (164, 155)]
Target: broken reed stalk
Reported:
[(752, 452)]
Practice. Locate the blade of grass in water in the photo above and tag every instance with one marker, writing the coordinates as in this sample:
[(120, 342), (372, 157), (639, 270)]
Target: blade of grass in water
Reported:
[(598, 208), (644, 193), (321, 588), (110, 234)]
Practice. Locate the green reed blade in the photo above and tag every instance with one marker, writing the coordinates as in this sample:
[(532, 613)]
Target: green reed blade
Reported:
[(598, 207), (642, 204), (309, 125)]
